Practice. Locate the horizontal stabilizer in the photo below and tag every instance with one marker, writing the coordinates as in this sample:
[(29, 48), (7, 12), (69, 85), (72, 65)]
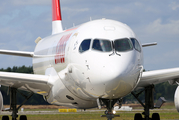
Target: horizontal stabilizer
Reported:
[(17, 53), (149, 44)]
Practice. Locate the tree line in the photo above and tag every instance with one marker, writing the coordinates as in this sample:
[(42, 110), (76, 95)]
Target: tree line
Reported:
[(161, 90)]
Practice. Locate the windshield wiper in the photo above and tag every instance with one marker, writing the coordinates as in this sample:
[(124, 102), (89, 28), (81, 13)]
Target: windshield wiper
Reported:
[(114, 50)]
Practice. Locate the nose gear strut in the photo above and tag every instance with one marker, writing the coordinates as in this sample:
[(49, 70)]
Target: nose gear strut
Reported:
[(109, 105)]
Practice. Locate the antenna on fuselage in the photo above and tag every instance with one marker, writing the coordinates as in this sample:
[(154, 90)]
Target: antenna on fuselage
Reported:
[(90, 19), (73, 24), (56, 17)]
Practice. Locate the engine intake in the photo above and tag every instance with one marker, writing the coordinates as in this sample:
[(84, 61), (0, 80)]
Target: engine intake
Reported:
[(1, 102), (176, 98)]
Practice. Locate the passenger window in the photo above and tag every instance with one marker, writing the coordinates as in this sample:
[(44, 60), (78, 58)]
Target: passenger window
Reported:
[(85, 45), (136, 44), (122, 45), (102, 45)]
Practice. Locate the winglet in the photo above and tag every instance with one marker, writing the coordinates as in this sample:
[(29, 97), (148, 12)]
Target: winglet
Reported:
[(56, 17)]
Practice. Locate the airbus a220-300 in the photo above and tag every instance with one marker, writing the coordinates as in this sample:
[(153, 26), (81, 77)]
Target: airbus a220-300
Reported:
[(91, 65)]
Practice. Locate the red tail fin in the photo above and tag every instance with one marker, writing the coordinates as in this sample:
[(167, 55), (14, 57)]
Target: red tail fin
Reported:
[(56, 17), (56, 11)]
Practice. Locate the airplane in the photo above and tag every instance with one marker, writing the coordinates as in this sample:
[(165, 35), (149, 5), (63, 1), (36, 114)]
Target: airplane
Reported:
[(91, 65)]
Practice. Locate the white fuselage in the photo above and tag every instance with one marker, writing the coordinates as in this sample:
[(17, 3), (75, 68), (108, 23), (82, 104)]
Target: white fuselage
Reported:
[(80, 72)]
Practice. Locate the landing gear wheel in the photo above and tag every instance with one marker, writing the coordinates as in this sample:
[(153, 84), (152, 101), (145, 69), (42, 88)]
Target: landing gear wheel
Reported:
[(109, 105), (138, 116), (106, 112), (5, 117), (23, 117), (155, 116)]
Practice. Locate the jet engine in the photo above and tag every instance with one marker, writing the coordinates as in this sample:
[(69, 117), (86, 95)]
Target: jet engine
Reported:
[(1, 102), (176, 98)]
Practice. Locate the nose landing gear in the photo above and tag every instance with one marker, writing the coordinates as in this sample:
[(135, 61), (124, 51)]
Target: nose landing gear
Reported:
[(109, 105)]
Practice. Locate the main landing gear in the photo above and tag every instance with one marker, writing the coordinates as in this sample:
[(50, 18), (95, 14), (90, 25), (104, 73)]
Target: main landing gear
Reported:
[(149, 104), (13, 105)]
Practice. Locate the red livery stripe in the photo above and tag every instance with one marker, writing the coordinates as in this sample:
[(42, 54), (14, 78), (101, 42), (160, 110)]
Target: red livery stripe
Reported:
[(59, 59), (60, 49)]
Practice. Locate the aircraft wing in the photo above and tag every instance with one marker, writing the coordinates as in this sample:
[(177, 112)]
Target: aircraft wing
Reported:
[(158, 76), (28, 82), (17, 53)]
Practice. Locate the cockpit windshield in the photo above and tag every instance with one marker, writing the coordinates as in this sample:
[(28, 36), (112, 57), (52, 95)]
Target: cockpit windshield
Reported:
[(102, 45), (119, 45), (85, 45), (122, 45)]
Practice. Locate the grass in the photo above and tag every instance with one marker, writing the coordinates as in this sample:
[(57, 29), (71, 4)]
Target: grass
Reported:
[(167, 112), (95, 116), (71, 116)]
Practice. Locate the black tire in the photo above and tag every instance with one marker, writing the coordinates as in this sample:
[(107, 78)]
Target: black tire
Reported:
[(155, 116), (106, 112), (23, 117), (138, 116), (5, 117)]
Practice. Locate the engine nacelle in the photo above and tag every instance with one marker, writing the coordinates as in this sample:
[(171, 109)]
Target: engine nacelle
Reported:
[(1, 102), (176, 98)]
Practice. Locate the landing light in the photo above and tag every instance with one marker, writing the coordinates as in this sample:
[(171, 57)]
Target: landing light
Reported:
[(114, 112)]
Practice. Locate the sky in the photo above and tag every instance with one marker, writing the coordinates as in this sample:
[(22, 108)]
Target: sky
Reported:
[(21, 22)]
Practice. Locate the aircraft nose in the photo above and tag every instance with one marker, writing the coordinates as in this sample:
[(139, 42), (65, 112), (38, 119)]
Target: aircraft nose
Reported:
[(117, 77), (119, 81), (116, 67)]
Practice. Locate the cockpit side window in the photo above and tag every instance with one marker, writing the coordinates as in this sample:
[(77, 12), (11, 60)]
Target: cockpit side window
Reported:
[(102, 45), (136, 44), (85, 45), (122, 45)]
